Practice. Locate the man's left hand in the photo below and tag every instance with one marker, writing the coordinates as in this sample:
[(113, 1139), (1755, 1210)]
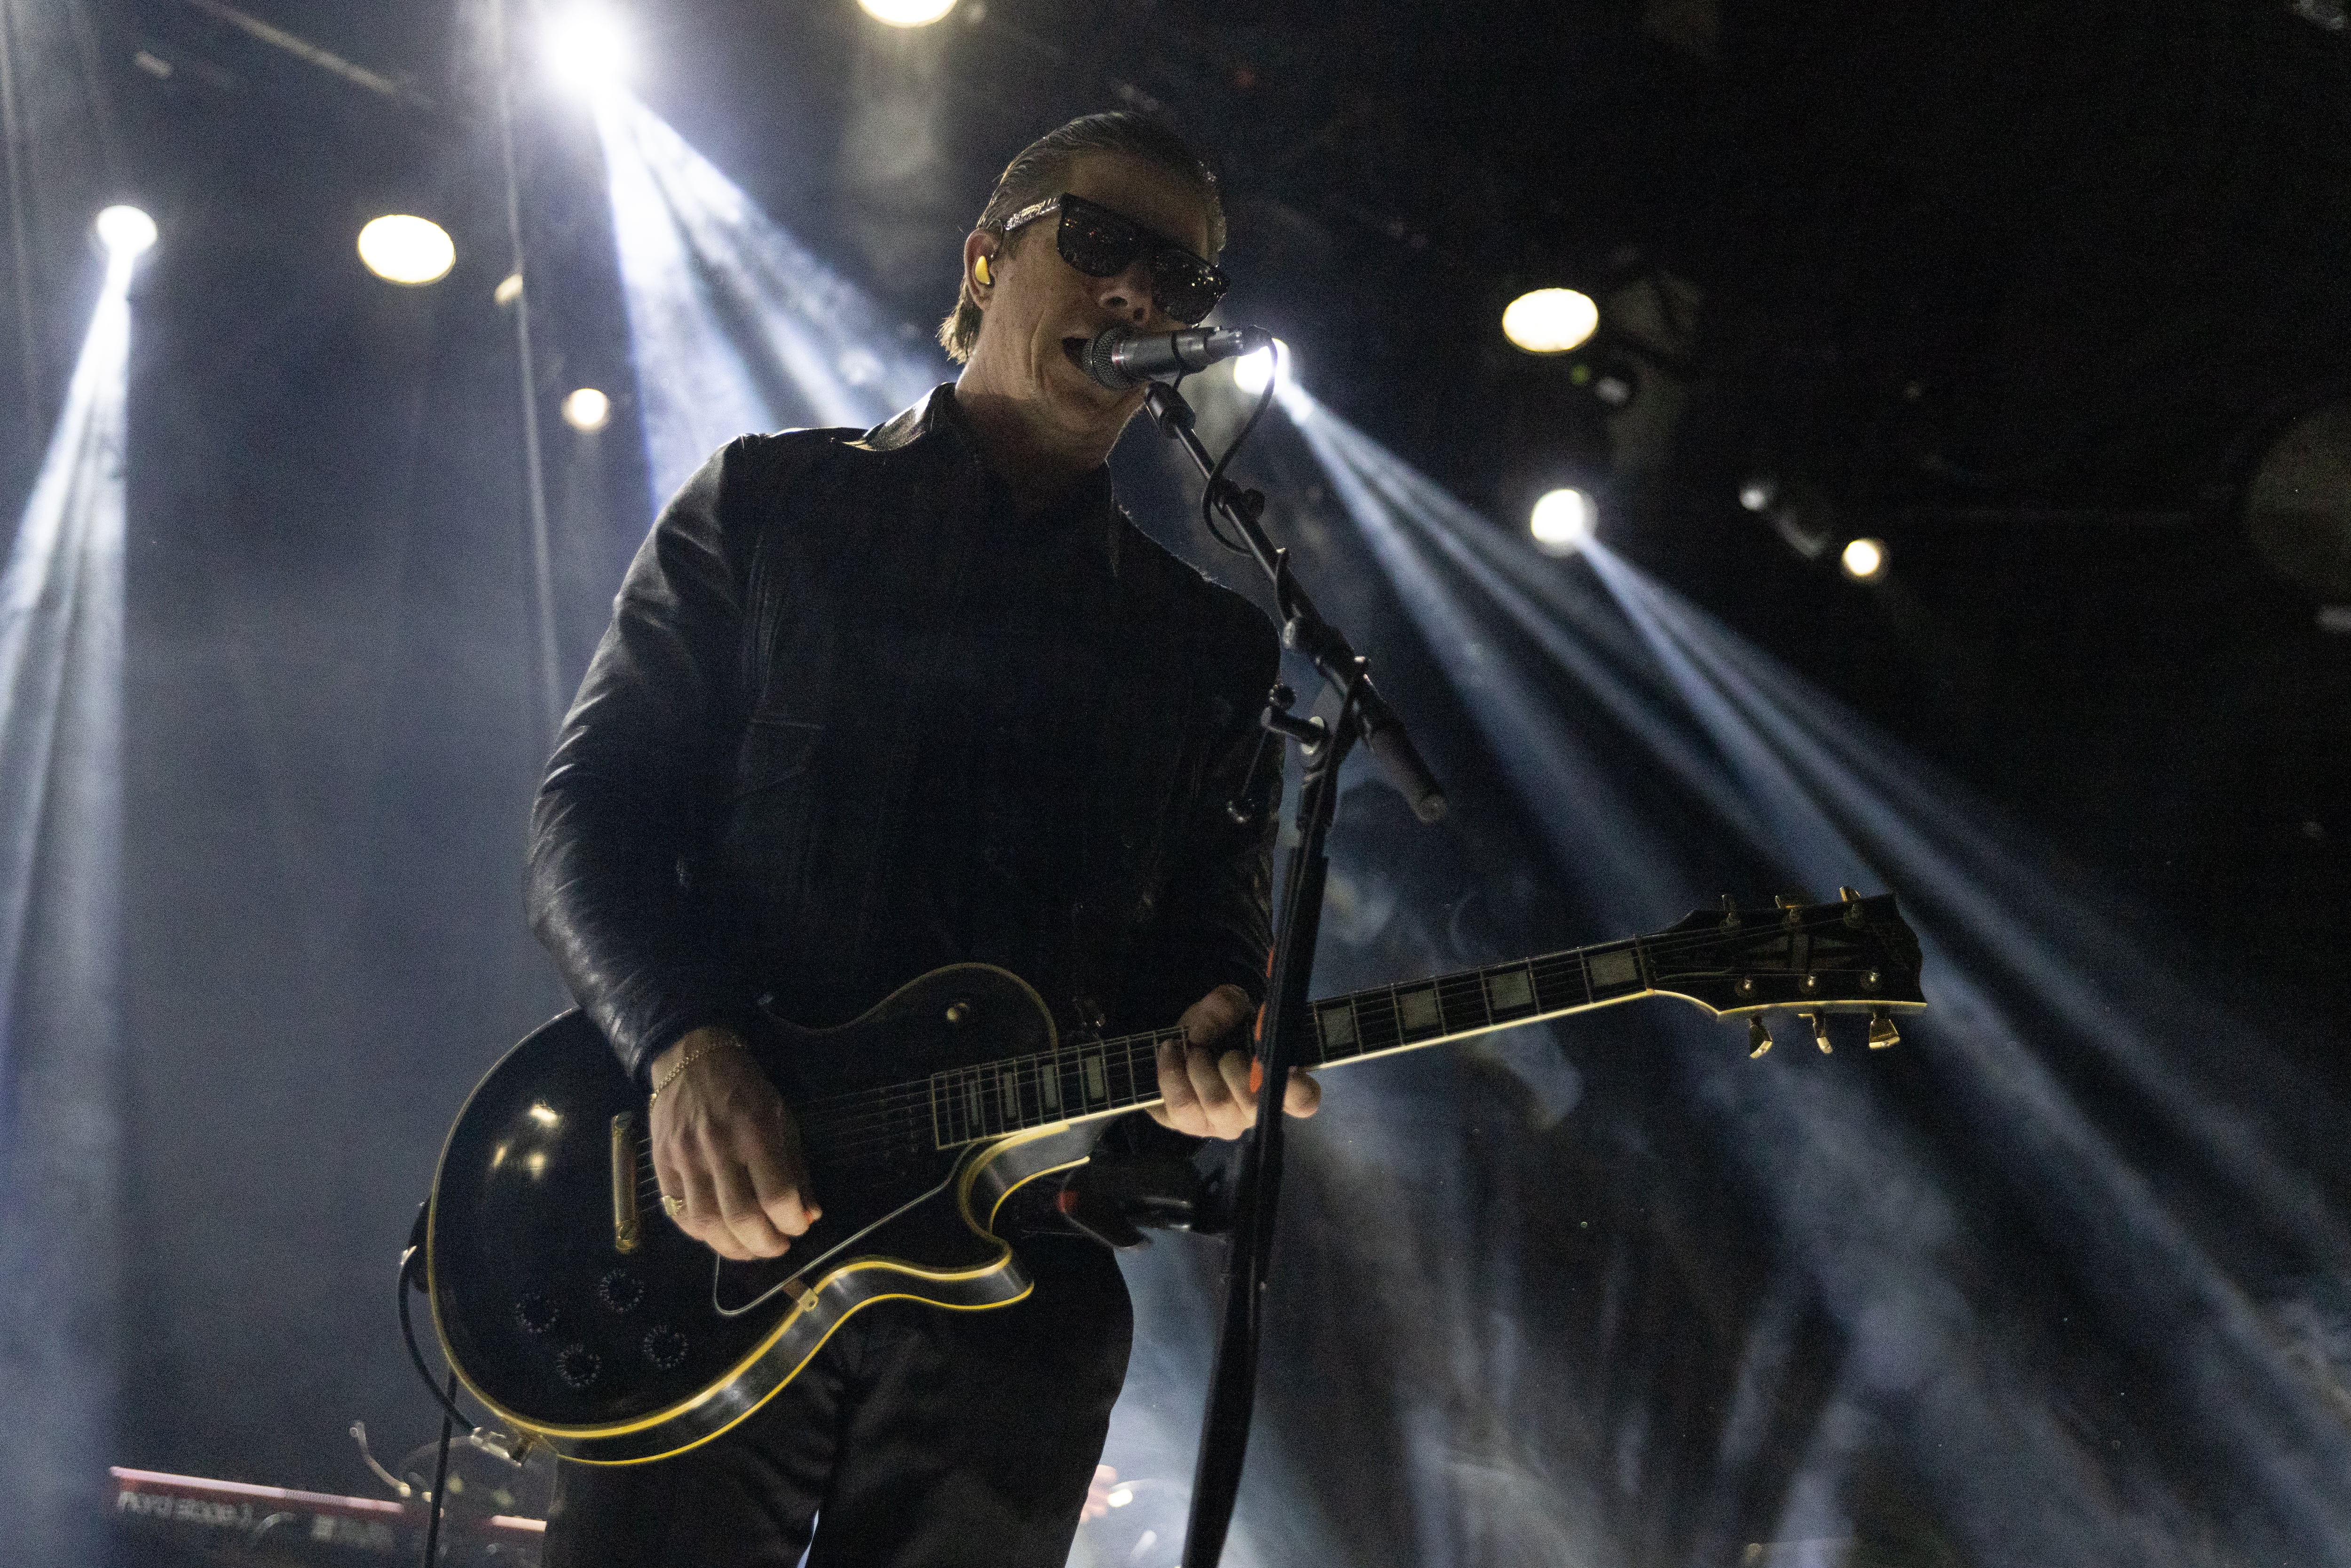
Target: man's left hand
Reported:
[(1208, 1095)]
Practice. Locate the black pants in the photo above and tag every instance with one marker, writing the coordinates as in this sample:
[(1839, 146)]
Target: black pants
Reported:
[(925, 1438)]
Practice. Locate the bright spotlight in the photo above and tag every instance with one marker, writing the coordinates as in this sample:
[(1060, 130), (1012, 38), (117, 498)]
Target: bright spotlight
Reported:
[(1758, 493), (401, 249), (1550, 321), (1562, 522), (907, 13), (1252, 371), (587, 409), (1863, 560), (125, 232), (588, 49)]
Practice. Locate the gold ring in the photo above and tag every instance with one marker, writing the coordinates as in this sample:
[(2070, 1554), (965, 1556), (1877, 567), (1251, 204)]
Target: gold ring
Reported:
[(672, 1206)]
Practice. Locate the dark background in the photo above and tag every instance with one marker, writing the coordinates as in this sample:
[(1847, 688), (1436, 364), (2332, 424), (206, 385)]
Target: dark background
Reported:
[(2023, 290)]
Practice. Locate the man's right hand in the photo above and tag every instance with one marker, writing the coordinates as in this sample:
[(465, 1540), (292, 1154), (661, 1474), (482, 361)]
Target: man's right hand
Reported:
[(725, 1142)]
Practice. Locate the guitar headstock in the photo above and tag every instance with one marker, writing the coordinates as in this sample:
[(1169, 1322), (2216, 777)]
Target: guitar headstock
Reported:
[(1855, 956)]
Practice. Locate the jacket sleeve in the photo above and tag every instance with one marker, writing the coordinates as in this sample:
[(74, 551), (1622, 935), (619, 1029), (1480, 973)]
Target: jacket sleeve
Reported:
[(1215, 918), (614, 821)]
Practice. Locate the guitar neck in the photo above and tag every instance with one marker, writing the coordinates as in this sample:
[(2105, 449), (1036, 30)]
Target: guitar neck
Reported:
[(1088, 1079)]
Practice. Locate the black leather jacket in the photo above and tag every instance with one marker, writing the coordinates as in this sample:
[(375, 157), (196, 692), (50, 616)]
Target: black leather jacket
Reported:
[(730, 798)]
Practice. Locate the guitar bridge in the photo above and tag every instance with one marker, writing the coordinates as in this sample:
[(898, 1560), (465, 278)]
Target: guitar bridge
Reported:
[(625, 1231)]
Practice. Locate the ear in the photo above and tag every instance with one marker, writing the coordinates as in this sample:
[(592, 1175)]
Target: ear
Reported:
[(980, 254)]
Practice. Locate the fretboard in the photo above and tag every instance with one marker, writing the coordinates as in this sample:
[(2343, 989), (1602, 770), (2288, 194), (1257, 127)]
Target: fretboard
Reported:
[(1085, 1079)]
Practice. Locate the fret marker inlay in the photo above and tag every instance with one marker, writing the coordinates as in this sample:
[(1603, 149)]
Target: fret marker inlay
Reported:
[(1420, 1009), (1615, 968), (1511, 988)]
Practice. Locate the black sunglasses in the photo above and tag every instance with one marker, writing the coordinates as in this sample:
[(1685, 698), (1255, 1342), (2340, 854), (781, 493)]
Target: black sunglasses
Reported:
[(1100, 244)]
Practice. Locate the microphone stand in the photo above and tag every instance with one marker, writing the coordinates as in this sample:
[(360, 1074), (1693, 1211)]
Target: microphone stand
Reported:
[(1322, 747)]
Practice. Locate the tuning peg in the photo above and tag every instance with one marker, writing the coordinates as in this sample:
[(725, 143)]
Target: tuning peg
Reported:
[(1758, 1037), (1853, 911), (1882, 1032), (1794, 907), (1730, 913), (1819, 1022)]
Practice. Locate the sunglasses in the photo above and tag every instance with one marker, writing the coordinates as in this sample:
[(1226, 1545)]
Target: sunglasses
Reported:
[(1100, 244)]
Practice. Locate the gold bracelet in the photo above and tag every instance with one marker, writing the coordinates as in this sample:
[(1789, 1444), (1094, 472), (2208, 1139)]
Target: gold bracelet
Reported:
[(688, 1060)]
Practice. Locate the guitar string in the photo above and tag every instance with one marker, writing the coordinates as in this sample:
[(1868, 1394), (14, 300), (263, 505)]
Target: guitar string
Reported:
[(911, 1101), (1462, 981), (1453, 990), (862, 1141)]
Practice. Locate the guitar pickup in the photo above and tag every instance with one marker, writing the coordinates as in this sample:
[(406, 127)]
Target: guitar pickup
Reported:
[(626, 1230)]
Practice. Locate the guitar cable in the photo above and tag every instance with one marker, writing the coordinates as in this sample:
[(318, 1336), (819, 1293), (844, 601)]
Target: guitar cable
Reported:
[(411, 1260), (440, 1478)]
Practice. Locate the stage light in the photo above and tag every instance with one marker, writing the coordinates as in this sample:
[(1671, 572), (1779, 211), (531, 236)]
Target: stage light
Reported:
[(1758, 493), (1550, 321), (1863, 560), (907, 13), (1562, 522), (587, 409), (508, 290), (406, 250), (1252, 371), (125, 232), (588, 49)]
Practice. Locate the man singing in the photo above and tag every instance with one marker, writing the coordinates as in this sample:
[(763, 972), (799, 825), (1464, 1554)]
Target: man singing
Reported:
[(870, 704)]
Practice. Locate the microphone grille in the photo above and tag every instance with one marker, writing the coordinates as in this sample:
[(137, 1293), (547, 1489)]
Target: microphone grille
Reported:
[(1096, 360)]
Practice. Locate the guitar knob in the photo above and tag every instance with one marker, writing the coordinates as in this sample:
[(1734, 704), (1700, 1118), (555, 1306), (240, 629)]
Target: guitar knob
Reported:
[(620, 1292), (578, 1365), (664, 1348), (1758, 1037), (538, 1313)]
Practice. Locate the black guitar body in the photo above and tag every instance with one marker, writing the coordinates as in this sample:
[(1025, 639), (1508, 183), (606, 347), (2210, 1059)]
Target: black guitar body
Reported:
[(570, 1304)]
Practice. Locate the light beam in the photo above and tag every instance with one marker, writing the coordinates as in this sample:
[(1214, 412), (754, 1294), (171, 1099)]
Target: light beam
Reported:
[(61, 1157), (2020, 968), (735, 326)]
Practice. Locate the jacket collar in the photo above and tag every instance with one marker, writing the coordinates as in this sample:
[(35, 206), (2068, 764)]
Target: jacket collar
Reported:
[(939, 418), (925, 418)]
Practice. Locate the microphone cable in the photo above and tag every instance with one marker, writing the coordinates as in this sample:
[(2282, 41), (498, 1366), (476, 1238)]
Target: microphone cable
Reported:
[(1217, 474)]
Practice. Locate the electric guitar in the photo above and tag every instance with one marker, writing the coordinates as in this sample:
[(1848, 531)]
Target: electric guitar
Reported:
[(574, 1311)]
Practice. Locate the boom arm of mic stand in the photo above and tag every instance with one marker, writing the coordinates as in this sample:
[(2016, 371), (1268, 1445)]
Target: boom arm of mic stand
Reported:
[(1302, 626)]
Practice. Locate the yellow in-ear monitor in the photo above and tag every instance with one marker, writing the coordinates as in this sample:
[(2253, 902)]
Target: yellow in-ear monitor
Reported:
[(979, 271)]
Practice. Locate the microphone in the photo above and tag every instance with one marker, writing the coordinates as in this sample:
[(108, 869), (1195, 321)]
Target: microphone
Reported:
[(1119, 359)]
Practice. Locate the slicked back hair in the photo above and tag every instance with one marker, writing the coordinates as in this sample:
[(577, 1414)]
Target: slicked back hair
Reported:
[(1042, 170)]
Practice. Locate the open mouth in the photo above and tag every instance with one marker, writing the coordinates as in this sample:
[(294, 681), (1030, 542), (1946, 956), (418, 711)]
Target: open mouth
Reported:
[(1076, 349)]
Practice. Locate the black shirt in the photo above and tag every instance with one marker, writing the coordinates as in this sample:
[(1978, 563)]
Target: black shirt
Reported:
[(1002, 775)]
